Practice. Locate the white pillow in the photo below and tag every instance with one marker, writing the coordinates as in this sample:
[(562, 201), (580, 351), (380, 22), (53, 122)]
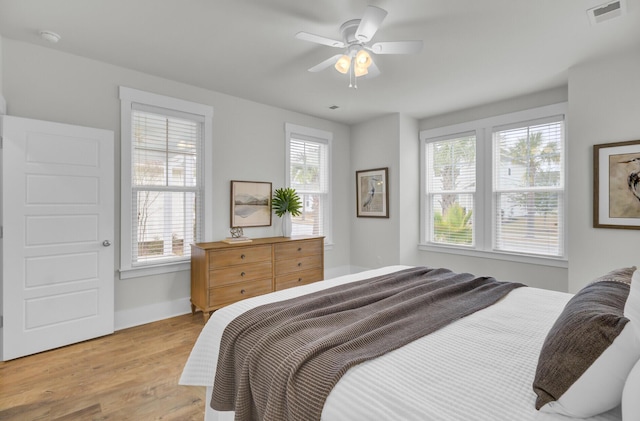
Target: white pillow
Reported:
[(632, 306), (631, 395)]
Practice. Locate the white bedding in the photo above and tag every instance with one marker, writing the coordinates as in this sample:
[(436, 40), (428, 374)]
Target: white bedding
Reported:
[(478, 368)]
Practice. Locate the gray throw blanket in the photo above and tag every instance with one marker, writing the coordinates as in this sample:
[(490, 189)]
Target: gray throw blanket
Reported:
[(280, 361)]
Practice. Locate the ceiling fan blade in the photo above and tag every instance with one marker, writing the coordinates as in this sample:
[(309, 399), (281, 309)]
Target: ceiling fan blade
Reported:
[(370, 22), (396, 47), (305, 36), (327, 63)]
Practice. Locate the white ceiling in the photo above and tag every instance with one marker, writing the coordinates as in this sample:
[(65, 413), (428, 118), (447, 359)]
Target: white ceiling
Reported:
[(475, 51)]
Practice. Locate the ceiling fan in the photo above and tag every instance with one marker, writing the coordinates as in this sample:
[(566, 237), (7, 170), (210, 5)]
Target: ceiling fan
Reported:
[(357, 35)]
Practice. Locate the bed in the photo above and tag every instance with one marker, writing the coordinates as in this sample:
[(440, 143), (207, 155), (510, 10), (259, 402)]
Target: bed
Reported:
[(480, 367)]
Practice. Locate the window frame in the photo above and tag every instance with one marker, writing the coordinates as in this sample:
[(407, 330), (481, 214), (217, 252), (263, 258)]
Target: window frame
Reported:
[(483, 232), (129, 96), (310, 134), (428, 196)]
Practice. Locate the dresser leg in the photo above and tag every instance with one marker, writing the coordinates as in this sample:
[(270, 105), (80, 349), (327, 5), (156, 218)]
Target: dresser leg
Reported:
[(193, 309), (205, 316)]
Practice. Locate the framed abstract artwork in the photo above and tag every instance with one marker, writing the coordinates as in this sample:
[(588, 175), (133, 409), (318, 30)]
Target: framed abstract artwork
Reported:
[(372, 193), (250, 204), (616, 185)]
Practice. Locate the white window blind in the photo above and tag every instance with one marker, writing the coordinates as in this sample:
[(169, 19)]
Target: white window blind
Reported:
[(166, 184), (528, 188), (308, 157), (451, 188)]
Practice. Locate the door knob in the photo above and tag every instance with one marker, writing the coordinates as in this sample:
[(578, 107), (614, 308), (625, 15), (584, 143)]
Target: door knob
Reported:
[(106, 243)]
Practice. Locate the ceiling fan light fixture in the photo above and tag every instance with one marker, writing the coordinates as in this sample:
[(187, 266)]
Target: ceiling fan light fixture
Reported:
[(363, 59), (343, 64), (360, 70)]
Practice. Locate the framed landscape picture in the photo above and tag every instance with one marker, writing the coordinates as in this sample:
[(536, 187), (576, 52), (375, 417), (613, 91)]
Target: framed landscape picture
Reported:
[(250, 204), (372, 193), (616, 185)]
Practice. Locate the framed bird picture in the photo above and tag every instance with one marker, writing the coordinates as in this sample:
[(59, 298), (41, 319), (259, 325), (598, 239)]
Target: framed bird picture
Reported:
[(372, 193), (616, 185)]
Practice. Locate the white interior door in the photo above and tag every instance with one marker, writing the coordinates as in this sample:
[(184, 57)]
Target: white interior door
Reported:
[(57, 218)]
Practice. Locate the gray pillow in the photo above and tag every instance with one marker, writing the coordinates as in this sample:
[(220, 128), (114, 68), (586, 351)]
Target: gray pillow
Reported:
[(589, 351)]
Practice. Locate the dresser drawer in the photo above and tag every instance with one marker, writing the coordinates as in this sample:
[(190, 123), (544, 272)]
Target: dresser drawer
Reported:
[(297, 249), (295, 265), (298, 278), (239, 256), (232, 293), (239, 273)]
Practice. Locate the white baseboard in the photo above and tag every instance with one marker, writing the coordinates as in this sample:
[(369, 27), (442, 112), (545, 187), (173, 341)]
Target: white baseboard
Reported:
[(336, 271), (151, 313), (358, 269)]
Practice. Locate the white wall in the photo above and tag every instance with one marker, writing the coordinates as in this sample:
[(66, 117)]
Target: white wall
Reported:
[(391, 141), (1, 242), (248, 144), (525, 102), (409, 188), (374, 241), (0, 66), (604, 107), (2, 100)]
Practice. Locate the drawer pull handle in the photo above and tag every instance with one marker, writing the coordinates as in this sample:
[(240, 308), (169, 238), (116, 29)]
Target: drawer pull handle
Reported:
[(299, 264), (299, 279), (242, 256), (242, 291), (242, 274), (299, 248)]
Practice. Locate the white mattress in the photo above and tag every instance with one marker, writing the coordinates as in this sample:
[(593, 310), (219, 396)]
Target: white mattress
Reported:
[(478, 368)]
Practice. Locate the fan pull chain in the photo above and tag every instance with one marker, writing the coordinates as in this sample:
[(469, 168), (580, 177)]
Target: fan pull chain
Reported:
[(352, 74)]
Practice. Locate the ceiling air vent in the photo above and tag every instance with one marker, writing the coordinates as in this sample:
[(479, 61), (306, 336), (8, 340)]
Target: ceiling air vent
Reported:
[(606, 11)]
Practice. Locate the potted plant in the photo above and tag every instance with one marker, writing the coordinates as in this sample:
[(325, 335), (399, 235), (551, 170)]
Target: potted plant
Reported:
[(286, 203)]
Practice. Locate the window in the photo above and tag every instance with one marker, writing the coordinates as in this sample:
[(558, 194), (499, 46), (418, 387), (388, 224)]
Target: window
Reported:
[(528, 188), (451, 189), (497, 186), (163, 173), (308, 172)]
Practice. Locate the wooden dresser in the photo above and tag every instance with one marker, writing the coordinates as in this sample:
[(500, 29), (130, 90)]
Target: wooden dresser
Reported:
[(223, 273)]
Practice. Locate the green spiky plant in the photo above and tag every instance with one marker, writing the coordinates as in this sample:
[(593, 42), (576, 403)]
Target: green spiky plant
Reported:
[(286, 200), (454, 226)]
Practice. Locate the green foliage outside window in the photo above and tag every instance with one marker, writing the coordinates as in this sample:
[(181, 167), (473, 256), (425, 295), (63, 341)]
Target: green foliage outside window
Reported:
[(454, 227)]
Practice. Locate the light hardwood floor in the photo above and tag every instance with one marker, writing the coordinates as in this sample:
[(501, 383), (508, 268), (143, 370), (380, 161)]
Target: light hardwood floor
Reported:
[(130, 375)]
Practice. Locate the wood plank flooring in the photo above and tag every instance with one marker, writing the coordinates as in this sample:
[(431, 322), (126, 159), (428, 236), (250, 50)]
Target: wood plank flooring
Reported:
[(130, 375)]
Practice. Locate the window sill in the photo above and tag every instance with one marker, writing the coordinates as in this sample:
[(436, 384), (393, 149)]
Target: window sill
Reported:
[(511, 257), (138, 272)]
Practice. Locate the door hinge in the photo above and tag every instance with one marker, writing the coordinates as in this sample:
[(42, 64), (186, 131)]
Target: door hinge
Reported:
[(1, 321)]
